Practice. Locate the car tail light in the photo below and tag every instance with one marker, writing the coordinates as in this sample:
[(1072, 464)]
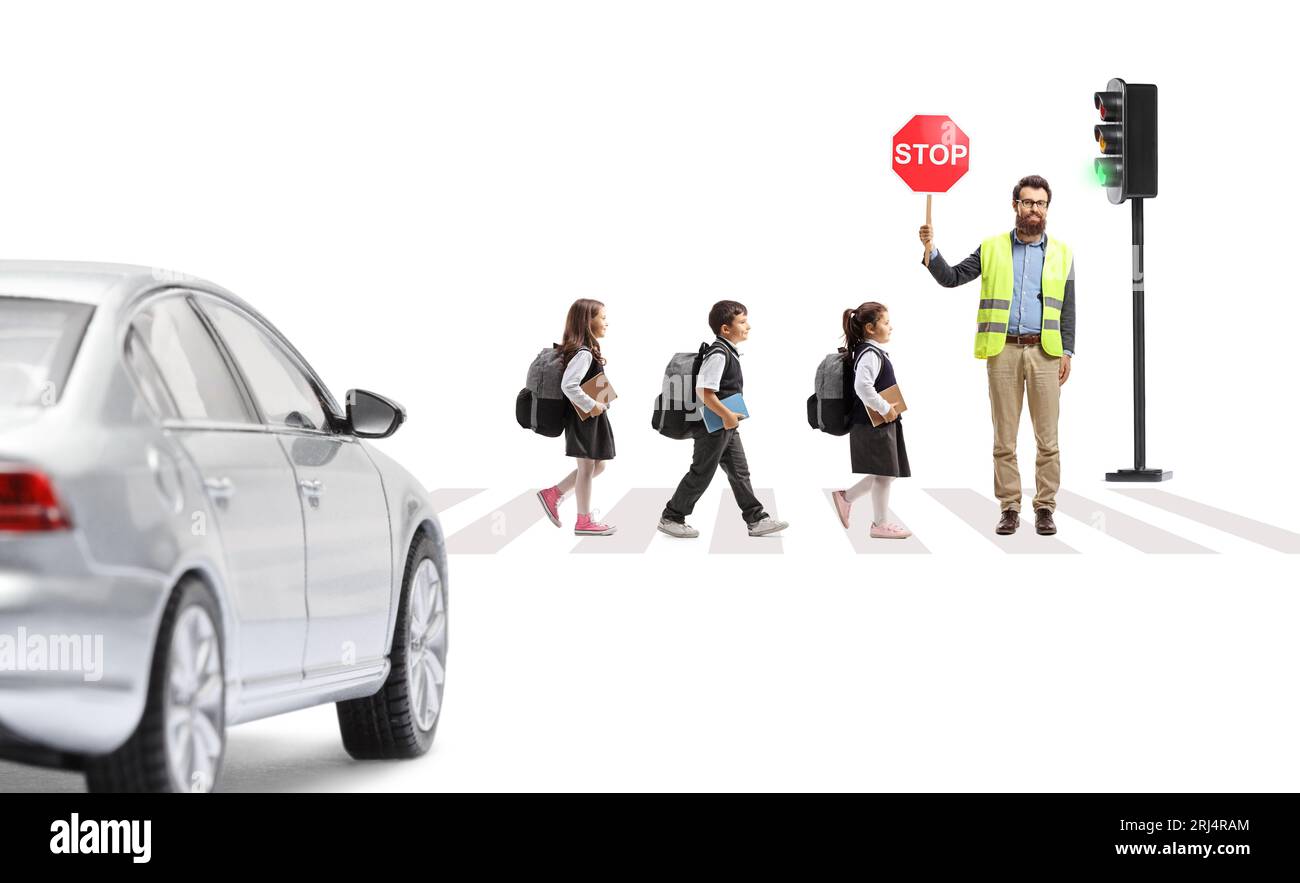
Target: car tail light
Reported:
[(28, 502)]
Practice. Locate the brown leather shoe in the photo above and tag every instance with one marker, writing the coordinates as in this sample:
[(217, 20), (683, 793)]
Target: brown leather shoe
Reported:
[(1009, 522), (1043, 522)]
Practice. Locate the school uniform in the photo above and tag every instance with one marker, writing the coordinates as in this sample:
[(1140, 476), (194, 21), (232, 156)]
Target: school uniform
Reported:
[(875, 450), (593, 438), (720, 372)]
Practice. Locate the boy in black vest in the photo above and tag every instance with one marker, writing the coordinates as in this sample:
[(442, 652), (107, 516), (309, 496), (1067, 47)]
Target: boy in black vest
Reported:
[(719, 377)]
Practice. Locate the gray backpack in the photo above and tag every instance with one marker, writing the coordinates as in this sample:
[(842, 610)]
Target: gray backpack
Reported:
[(830, 407), (676, 413), (540, 404)]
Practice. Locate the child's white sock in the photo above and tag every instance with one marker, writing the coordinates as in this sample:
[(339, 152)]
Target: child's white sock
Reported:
[(880, 498), (860, 488)]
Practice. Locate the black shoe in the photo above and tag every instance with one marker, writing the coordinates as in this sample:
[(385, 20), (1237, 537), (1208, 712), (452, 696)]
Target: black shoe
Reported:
[(1043, 523), (1009, 523)]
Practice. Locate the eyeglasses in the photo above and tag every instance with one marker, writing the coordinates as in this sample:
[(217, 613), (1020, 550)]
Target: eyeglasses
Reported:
[(1040, 204)]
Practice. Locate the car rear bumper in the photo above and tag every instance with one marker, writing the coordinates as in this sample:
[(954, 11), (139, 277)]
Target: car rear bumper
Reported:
[(75, 648)]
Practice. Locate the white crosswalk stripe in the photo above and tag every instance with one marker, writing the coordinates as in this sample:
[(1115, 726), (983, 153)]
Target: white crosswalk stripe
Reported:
[(480, 521)]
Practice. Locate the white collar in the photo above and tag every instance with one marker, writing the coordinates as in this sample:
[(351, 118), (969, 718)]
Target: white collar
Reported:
[(729, 345)]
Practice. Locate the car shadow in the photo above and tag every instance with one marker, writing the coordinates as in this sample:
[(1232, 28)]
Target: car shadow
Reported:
[(255, 762)]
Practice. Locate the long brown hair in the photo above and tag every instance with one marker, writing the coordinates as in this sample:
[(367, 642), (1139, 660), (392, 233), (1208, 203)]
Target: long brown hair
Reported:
[(577, 330), (856, 322)]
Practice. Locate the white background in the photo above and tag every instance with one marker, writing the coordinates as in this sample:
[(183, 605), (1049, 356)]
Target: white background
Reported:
[(414, 193)]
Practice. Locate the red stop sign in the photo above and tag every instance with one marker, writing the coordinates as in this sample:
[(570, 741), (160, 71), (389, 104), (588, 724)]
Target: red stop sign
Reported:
[(931, 153)]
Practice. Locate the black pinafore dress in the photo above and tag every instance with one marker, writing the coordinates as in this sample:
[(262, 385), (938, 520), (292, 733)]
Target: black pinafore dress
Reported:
[(593, 438), (877, 450)]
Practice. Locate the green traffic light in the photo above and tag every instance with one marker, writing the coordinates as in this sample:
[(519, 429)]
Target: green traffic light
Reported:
[(1109, 171)]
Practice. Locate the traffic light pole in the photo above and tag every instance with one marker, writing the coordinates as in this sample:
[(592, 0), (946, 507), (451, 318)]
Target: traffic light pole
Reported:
[(1139, 472)]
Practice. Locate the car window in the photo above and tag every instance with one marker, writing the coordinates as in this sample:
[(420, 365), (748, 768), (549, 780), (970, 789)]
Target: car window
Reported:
[(39, 340), (282, 390), (146, 373), (191, 366)]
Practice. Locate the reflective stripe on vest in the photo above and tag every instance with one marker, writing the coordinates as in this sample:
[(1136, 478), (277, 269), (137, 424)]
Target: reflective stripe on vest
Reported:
[(996, 287)]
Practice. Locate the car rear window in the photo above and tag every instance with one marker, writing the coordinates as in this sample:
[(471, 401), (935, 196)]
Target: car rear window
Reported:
[(39, 340)]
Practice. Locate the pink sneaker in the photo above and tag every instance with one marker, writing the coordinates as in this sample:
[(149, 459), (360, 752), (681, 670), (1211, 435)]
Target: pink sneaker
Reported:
[(890, 531), (842, 506), (550, 499), (588, 528)]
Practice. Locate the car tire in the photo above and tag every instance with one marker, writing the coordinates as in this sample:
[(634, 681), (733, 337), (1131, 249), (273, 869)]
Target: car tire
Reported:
[(400, 720), (186, 685)]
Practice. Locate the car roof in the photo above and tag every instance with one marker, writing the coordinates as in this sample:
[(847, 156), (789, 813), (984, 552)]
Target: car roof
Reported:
[(84, 282), (112, 286)]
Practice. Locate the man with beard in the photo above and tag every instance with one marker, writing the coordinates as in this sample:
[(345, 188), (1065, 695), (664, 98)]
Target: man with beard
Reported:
[(1025, 332)]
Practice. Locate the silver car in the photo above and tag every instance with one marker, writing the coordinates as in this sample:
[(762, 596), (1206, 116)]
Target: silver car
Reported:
[(193, 534)]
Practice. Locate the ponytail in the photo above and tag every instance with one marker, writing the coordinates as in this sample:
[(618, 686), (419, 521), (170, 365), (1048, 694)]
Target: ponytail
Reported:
[(855, 324)]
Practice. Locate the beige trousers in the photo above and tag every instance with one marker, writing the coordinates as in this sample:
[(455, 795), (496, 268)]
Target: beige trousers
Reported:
[(1017, 370)]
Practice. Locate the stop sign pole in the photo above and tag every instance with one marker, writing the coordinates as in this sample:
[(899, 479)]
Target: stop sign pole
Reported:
[(930, 154), (929, 202)]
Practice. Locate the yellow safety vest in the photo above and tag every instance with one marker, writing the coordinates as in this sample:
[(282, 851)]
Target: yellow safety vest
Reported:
[(995, 295)]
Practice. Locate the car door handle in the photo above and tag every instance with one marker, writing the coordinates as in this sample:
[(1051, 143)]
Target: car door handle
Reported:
[(311, 489), (219, 489)]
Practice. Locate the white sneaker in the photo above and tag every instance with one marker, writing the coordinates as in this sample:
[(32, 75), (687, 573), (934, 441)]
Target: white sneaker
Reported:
[(678, 529), (766, 526)]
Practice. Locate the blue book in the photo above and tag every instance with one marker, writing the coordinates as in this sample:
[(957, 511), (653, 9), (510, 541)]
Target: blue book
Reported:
[(712, 422)]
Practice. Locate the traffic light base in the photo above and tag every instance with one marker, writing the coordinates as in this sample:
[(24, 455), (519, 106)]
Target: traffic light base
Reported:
[(1140, 475)]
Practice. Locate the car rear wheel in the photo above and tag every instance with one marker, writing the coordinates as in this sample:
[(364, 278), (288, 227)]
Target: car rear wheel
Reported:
[(399, 721), (181, 738)]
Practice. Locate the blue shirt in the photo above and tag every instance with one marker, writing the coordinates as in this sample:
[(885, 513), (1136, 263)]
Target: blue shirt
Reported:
[(1026, 285)]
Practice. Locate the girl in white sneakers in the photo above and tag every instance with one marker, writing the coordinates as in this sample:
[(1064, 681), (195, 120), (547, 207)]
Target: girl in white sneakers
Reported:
[(590, 441), (877, 451)]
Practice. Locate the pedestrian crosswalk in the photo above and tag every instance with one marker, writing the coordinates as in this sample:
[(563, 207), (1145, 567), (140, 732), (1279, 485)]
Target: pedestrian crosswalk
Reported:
[(636, 516), (980, 513), (481, 521), (731, 537), (1267, 535)]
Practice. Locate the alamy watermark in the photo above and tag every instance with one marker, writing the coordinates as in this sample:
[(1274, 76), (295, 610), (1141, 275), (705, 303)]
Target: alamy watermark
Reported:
[(32, 651)]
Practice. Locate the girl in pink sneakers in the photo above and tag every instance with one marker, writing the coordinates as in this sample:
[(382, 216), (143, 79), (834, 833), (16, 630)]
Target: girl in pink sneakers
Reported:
[(590, 441), (877, 451)]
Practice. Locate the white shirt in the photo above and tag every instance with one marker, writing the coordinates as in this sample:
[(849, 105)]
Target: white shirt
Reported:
[(864, 383), (712, 369), (572, 381)]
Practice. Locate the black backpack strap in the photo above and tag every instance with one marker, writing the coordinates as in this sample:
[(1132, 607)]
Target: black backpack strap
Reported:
[(869, 347), (575, 353), (706, 350)]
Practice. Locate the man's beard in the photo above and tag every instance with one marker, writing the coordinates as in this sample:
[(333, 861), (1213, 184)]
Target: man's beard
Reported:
[(1030, 225)]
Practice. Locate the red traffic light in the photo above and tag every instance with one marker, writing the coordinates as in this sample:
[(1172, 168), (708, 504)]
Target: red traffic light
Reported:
[(1110, 104)]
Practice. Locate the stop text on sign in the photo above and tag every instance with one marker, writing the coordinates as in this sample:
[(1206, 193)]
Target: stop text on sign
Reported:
[(937, 154)]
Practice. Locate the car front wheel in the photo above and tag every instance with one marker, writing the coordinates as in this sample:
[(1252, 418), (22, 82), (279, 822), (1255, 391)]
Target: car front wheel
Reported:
[(399, 721)]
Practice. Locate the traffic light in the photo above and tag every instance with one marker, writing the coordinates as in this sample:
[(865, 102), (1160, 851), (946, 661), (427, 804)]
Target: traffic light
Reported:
[(1126, 137)]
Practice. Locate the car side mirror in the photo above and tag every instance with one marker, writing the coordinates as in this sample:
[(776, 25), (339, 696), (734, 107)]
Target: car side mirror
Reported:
[(370, 415)]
